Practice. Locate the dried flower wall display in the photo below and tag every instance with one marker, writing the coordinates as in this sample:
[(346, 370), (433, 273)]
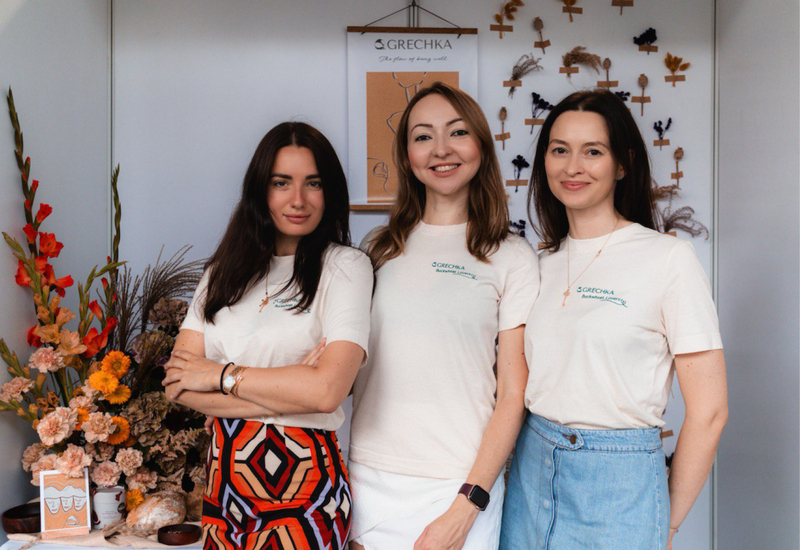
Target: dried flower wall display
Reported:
[(646, 40), (507, 11), (524, 66), (82, 390), (607, 83), (675, 64), (538, 106), (677, 174), (570, 8), (519, 164), (538, 26), (503, 135), (643, 82), (623, 95), (579, 56)]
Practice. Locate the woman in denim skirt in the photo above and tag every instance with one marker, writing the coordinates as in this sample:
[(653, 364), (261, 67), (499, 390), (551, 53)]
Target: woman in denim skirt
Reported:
[(621, 308)]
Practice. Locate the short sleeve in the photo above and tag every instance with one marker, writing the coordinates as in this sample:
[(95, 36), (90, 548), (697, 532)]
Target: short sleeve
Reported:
[(194, 315), (690, 318), (348, 298), (521, 287)]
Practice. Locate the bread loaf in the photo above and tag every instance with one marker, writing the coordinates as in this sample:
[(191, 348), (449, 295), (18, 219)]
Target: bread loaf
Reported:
[(157, 510)]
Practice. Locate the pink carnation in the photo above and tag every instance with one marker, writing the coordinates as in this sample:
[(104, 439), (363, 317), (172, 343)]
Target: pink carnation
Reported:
[(129, 460), (89, 391), (70, 416), (83, 402), (14, 389), (73, 461), (46, 360), (47, 462), (106, 474), (143, 479), (100, 452), (53, 429), (31, 455), (98, 427)]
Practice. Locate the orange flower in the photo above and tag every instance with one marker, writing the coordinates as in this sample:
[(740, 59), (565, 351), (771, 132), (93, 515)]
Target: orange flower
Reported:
[(49, 334), (44, 211), (119, 395), (103, 382), (130, 442), (116, 363), (64, 316), (83, 414), (33, 339), (133, 499), (95, 341), (49, 246), (122, 433), (22, 278), (70, 343), (30, 233)]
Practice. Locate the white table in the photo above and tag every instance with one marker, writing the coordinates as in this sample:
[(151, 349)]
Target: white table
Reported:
[(14, 545)]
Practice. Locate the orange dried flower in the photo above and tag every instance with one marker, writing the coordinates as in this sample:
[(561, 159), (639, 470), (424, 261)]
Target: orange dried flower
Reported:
[(133, 499), (122, 433), (104, 382), (116, 363), (119, 395)]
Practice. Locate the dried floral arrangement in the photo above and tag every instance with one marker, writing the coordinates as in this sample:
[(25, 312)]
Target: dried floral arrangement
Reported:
[(519, 165), (524, 66), (682, 219), (675, 64), (538, 106), (538, 26), (661, 129), (623, 95), (503, 135), (677, 175), (517, 227), (570, 8), (646, 40), (579, 56), (643, 81), (86, 391), (507, 11)]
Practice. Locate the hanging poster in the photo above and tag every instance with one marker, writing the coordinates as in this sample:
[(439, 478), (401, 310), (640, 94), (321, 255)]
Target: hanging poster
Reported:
[(386, 67)]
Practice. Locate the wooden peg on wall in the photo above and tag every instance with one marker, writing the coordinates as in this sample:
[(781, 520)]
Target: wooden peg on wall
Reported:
[(622, 4), (569, 7)]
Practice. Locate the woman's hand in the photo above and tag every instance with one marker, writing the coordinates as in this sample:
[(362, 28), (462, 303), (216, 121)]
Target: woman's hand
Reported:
[(449, 530), (187, 371), (209, 425)]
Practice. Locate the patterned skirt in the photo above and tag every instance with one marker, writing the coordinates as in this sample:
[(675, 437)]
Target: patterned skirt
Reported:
[(275, 487)]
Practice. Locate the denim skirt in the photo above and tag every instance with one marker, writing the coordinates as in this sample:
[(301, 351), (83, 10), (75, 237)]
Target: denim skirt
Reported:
[(571, 489)]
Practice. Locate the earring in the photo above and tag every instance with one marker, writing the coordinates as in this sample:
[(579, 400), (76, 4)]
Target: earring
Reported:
[(620, 176)]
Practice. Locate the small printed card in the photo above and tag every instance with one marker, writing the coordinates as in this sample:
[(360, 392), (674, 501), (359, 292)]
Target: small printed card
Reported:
[(64, 504)]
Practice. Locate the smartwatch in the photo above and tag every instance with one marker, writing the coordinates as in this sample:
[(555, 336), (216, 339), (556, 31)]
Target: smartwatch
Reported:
[(476, 495)]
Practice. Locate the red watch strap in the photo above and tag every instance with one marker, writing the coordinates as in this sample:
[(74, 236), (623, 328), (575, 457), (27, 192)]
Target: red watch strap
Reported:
[(465, 489)]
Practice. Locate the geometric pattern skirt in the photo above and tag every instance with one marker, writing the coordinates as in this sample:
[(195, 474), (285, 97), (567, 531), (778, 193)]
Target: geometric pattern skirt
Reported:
[(275, 487)]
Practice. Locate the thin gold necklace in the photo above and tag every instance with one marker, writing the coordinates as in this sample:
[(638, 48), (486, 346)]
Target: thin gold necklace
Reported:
[(265, 301), (569, 285)]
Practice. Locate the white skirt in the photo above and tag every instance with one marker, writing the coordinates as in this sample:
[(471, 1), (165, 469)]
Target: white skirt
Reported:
[(390, 510)]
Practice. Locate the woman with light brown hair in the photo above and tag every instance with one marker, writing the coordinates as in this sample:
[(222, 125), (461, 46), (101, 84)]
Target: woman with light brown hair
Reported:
[(438, 406)]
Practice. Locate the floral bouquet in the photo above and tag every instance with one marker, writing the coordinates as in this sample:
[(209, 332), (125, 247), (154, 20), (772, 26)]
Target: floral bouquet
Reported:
[(93, 392)]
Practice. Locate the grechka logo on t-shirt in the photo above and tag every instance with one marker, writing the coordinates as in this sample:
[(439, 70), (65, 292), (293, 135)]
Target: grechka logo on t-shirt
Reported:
[(602, 294), (286, 303), (454, 269)]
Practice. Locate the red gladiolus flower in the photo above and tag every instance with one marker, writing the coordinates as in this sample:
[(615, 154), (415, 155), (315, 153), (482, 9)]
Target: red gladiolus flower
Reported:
[(94, 307), (30, 232), (22, 278), (42, 265), (105, 283), (33, 340), (49, 246), (111, 323), (95, 341), (34, 186), (50, 278), (44, 211), (62, 283), (28, 206)]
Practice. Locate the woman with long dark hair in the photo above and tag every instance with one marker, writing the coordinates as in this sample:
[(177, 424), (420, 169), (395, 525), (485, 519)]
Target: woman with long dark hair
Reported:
[(273, 340), (621, 309), (433, 423)]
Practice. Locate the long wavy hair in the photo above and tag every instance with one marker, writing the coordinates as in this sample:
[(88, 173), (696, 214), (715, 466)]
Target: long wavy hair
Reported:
[(487, 222), (633, 195), (243, 255)]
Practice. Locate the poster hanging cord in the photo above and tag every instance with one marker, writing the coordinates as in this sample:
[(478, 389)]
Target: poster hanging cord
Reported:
[(413, 6)]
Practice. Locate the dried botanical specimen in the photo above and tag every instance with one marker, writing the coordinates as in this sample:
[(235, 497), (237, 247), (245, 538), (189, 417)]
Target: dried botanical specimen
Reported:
[(675, 64), (507, 11), (538, 106), (682, 219), (646, 39), (661, 130), (526, 64), (643, 82), (538, 25), (623, 95), (579, 56), (502, 115), (607, 83), (518, 227), (519, 165), (569, 7)]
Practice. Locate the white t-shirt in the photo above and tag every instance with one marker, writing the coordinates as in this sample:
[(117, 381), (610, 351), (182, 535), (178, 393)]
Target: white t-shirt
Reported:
[(279, 336), (425, 397), (604, 360)]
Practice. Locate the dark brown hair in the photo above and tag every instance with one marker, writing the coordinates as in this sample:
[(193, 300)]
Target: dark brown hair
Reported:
[(487, 222), (633, 195), (243, 255)]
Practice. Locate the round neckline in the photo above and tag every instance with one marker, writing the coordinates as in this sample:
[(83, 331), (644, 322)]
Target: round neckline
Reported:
[(429, 229), (594, 242)]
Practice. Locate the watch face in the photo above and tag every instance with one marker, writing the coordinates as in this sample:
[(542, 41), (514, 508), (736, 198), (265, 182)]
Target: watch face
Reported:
[(479, 497), (227, 383)]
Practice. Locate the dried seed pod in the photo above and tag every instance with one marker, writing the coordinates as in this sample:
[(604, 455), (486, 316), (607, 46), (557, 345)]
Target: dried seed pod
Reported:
[(678, 154), (538, 25), (643, 81), (606, 63), (503, 114)]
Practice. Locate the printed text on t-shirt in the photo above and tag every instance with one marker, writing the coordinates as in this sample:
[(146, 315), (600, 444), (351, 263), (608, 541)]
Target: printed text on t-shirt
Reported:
[(455, 269), (602, 294)]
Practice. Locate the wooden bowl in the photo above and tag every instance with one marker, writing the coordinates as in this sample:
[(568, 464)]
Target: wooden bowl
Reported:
[(25, 518), (176, 535)]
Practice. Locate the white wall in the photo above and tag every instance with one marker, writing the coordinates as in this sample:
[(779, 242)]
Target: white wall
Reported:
[(198, 83), (759, 226), (55, 58)]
